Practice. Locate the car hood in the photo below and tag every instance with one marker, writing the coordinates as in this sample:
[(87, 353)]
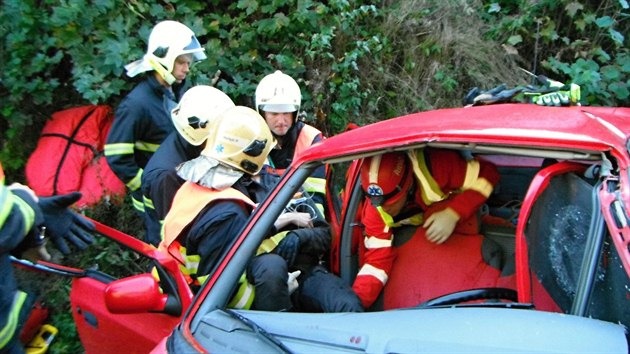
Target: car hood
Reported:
[(433, 330)]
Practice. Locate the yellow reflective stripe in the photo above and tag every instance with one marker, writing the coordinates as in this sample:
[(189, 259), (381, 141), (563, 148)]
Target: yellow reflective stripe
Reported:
[(431, 191), (387, 219), (377, 273), (118, 149), (27, 213), (483, 187), (414, 220), (148, 203), (472, 173), (135, 182), (7, 332), (202, 279), (372, 242), (6, 203), (315, 185), (320, 207), (244, 297), (472, 181), (137, 204), (146, 146), (270, 243), (192, 263)]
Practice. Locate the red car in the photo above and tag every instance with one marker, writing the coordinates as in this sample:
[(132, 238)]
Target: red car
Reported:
[(548, 272)]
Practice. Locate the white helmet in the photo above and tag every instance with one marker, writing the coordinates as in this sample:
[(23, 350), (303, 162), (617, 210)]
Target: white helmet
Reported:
[(197, 110), (279, 93), (241, 139), (167, 41)]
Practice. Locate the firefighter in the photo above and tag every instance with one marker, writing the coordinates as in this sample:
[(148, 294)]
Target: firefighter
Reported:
[(214, 203), (25, 221), (278, 99), (142, 120), (192, 118), (437, 189)]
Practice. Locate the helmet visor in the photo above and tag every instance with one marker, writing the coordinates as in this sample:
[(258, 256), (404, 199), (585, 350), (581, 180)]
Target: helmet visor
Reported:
[(195, 49), (278, 108)]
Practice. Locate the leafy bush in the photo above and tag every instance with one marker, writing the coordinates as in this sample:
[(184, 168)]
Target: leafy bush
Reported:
[(580, 42)]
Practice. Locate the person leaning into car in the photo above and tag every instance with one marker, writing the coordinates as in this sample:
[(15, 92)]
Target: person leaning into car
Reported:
[(438, 189), (211, 207)]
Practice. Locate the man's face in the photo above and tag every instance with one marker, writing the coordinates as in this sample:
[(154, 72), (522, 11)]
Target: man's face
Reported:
[(279, 123), (181, 67)]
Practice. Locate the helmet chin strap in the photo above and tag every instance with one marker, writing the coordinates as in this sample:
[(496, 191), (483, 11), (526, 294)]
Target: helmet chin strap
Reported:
[(167, 76)]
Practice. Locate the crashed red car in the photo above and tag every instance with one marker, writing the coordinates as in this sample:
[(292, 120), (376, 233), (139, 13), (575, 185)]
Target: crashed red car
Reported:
[(548, 271)]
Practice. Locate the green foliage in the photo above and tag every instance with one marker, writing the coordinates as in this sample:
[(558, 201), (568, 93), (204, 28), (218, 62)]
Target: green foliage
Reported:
[(580, 42)]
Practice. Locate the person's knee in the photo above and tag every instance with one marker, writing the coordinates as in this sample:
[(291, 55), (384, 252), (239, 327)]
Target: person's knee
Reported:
[(268, 266)]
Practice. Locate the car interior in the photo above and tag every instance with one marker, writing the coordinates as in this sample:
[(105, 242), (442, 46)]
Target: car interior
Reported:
[(545, 209)]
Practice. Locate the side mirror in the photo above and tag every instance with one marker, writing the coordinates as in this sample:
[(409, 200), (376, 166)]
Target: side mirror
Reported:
[(135, 294)]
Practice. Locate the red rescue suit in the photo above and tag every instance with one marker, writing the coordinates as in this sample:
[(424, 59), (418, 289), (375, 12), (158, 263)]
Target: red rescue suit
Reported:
[(443, 179)]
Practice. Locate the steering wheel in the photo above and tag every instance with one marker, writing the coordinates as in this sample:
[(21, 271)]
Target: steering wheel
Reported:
[(470, 295)]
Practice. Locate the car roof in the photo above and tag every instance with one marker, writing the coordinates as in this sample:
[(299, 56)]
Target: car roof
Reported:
[(576, 127)]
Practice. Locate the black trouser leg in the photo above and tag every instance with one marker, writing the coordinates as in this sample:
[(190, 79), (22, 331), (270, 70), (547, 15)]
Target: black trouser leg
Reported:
[(269, 274)]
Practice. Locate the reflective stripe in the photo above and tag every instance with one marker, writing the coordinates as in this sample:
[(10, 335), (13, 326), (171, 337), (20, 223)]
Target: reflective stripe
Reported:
[(372, 242), (118, 149), (244, 297), (28, 214), (135, 182), (148, 203), (7, 332), (472, 173), (483, 187), (192, 262), (431, 191), (315, 185), (270, 243), (374, 168), (6, 203), (377, 273), (472, 181), (146, 146), (414, 220), (387, 219), (138, 205)]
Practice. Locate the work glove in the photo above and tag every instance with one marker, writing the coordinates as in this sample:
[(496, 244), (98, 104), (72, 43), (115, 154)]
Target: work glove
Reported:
[(289, 248), (440, 225), (499, 94), (64, 225), (292, 283), (565, 95)]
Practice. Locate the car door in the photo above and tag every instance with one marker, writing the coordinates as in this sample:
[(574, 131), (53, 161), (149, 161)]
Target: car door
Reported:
[(130, 314)]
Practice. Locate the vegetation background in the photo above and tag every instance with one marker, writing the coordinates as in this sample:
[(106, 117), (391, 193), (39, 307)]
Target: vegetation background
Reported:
[(356, 61)]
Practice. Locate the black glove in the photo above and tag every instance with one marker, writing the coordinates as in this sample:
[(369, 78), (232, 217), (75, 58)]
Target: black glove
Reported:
[(63, 224), (289, 248), (499, 94)]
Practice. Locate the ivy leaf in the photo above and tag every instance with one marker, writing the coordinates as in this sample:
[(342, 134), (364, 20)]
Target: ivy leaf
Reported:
[(494, 8), (573, 8), (604, 21), (611, 73), (514, 40), (620, 89), (616, 36)]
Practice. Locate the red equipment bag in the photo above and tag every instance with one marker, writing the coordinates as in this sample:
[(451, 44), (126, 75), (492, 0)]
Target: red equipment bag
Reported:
[(69, 157)]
